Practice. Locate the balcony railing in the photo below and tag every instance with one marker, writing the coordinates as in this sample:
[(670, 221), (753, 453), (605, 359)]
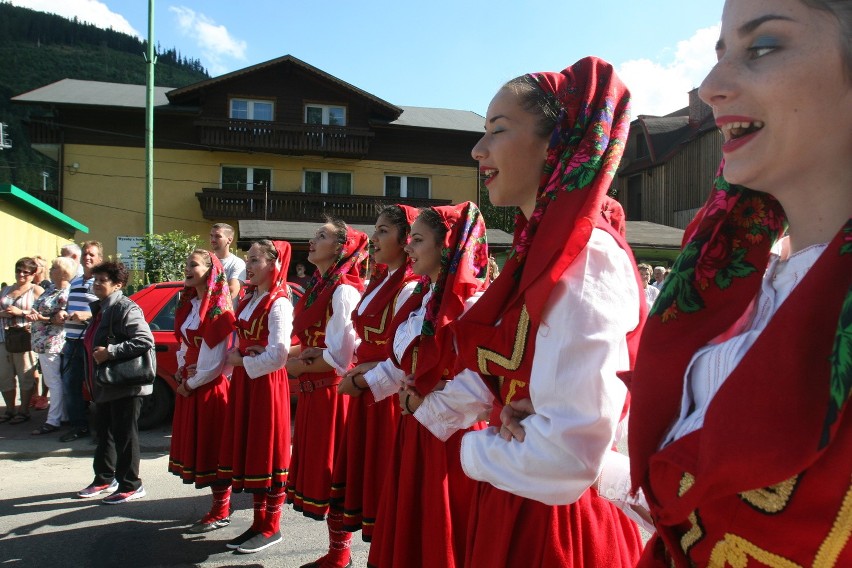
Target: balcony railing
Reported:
[(284, 137), (217, 204)]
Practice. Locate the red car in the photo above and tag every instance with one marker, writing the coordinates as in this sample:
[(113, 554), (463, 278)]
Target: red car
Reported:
[(158, 302)]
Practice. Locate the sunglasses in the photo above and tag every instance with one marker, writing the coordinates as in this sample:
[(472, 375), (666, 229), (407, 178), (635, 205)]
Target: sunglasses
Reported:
[(24, 272)]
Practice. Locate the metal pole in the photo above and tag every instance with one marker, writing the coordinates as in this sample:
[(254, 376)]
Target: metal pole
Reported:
[(150, 60)]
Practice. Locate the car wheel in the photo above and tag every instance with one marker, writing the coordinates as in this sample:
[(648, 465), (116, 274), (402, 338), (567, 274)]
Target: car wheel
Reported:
[(157, 407)]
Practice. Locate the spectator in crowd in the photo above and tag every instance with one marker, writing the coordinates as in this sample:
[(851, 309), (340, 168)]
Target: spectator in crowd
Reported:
[(651, 293), (118, 330), (659, 277), (75, 318), (221, 237), (48, 338), (16, 304), (41, 277), (73, 252), (302, 278)]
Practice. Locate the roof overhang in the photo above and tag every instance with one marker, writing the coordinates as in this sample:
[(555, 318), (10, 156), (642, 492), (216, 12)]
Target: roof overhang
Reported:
[(23, 199)]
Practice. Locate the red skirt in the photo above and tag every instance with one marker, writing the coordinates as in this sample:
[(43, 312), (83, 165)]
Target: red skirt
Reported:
[(425, 505), (363, 460), (196, 432), (320, 424), (255, 451), (507, 530)]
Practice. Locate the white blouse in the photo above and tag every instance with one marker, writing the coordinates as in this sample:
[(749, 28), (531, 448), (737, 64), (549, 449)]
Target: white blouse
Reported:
[(577, 397), (340, 336), (713, 363), (211, 360), (278, 343)]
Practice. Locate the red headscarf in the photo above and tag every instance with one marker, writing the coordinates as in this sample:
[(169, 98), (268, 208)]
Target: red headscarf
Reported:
[(278, 281), (216, 309), (347, 269), (584, 151), (464, 263), (379, 272)]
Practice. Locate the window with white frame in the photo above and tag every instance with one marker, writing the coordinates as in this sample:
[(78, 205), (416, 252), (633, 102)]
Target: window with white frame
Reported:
[(334, 183), (248, 109), (407, 186), (325, 114), (246, 178)]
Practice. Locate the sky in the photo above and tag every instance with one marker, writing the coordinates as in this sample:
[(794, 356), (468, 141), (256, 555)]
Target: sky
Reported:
[(444, 53)]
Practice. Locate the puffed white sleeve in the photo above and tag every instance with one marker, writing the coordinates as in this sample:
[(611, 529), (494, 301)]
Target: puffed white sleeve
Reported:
[(280, 330), (456, 407), (578, 399), (340, 336), (180, 354), (211, 361)]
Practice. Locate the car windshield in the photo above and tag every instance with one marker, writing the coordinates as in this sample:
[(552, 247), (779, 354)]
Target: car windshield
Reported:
[(165, 319)]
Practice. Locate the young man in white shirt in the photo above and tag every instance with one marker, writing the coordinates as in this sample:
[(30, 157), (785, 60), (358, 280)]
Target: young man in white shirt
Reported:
[(221, 237)]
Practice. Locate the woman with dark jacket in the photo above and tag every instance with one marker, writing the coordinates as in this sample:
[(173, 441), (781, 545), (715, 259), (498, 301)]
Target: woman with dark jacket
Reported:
[(118, 330)]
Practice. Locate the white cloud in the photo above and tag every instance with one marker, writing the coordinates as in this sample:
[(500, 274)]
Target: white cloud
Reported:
[(216, 42), (659, 88), (90, 11)]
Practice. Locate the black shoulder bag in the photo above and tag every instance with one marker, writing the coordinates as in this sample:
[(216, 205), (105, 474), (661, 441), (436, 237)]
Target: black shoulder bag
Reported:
[(137, 371)]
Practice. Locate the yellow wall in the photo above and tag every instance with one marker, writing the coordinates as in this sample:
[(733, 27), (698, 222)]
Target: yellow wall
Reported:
[(107, 191), (26, 234)]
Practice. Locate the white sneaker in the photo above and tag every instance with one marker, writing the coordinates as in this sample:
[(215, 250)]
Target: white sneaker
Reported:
[(117, 497), (94, 490)]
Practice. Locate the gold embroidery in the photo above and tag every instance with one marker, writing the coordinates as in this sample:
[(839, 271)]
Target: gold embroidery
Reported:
[(773, 499), (513, 386), (377, 330), (839, 535), (693, 535), (736, 551), (198, 339), (512, 364), (686, 483), (414, 360)]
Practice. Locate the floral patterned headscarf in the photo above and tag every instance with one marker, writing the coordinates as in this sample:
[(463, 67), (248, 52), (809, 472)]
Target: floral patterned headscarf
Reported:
[(216, 309), (583, 153), (464, 265)]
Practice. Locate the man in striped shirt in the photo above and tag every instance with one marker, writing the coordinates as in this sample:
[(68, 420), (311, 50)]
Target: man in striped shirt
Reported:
[(75, 319)]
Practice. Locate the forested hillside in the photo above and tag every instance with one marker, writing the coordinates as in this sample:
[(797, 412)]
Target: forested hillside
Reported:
[(37, 49)]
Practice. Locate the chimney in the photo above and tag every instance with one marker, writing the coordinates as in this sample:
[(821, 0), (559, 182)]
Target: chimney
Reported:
[(698, 109)]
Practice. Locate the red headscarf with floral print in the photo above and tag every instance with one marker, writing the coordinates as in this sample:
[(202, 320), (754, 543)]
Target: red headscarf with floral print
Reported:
[(216, 309), (278, 280), (584, 151)]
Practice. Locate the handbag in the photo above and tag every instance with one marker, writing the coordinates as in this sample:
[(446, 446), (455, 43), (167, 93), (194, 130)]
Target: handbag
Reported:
[(18, 340), (137, 371)]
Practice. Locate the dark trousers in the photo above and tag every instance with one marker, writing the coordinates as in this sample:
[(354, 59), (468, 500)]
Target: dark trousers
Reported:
[(73, 371), (117, 454)]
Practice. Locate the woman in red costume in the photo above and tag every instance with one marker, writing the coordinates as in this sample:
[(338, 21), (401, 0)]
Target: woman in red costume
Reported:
[(323, 326), (204, 321), (255, 451), (552, 330), (740, 429), (424, 508), (362, 460)]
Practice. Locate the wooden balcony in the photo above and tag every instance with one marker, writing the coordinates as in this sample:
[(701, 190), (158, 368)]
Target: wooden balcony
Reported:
[(256, 135), (218, 204)]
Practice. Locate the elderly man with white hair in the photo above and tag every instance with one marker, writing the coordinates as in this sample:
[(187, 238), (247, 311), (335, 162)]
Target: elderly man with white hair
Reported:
[(659, 277), (73, 251)]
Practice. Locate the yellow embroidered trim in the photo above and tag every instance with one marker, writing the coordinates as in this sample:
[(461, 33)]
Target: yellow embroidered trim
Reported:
[(693, 535), (414, 360), (736, 551), (686, 483), (377, 330), (512, 364), (839, 535), (513, 387), (198, 340), (773, 499)]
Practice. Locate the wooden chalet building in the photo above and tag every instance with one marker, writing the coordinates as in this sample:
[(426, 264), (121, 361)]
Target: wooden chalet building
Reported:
[(277, 141)]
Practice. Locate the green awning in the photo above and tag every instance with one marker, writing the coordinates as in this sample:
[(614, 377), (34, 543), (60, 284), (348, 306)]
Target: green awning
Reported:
[(23, 199)]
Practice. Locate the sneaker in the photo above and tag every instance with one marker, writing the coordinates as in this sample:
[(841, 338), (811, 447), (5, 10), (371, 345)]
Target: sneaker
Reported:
[(237, 542), (74, 434), (121, 497), (94, 490), (204, 527), (258, 542)]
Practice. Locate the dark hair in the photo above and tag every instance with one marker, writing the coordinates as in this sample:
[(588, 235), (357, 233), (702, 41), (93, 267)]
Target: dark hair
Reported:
[(397, 218), (842, 11), (27, 263), (268, 248), (434, 221), (537, 102), (340, 228), (115, 271), (229, 230)]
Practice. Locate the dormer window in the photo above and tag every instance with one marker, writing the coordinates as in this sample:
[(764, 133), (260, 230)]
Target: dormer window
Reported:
[(325, 114), (248, 109)]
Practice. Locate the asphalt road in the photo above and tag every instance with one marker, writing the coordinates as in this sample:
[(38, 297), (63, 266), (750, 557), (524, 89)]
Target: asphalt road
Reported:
[(42, 525)]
